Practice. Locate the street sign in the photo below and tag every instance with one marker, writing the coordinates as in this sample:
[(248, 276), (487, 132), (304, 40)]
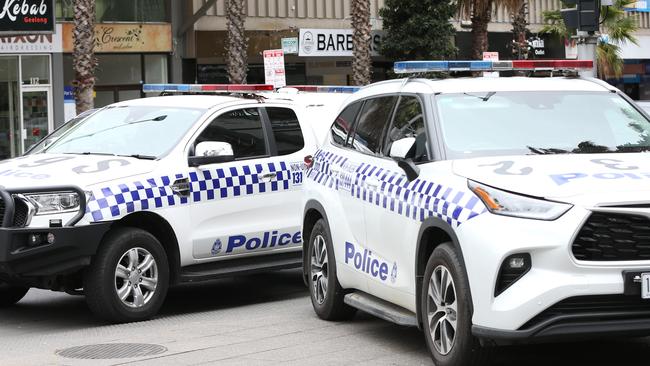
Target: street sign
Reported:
[(290, 45), (274, 73), (26, 16)]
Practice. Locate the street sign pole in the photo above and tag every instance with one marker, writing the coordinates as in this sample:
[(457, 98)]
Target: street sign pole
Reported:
[(587, 51)]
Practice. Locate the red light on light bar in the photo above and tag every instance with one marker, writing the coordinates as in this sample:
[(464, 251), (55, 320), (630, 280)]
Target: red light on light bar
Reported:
[(236, 87), (305, 88), (552, 64)]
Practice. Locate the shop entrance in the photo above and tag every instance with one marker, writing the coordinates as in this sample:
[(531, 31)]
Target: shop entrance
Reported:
[(25, 102)]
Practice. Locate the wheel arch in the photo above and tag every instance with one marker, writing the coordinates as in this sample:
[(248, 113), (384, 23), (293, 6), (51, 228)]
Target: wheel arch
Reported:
[(433, 232), (314, 211), (159, 227)]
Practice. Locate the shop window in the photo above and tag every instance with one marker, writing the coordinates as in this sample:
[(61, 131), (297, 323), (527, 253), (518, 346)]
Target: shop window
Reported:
[(119, 10), (35, 70), (155, 68), (118, 69)]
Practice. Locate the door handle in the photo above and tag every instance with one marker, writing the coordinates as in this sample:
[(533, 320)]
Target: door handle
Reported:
[(181, 187), (267, 176), (372, 182)]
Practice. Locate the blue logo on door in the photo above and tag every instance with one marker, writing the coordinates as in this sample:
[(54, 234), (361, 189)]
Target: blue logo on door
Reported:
[(216, 247)]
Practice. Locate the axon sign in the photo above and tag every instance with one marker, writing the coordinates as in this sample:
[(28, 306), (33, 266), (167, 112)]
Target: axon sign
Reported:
[(27, 16), (333, 42)]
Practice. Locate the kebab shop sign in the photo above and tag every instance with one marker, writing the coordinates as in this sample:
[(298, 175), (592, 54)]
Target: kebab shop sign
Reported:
[(26, 16)]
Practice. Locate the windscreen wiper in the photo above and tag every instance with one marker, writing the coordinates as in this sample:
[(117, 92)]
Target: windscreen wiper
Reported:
[(484, 98), (547, 151), (139, 156)]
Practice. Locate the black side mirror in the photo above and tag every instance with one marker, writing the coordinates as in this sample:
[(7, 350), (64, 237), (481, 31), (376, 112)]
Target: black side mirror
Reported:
[(408, 166), (195, 161)]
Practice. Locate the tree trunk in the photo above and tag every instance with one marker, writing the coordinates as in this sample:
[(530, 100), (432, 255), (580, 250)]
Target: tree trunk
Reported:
[(362, 61), (84, 61), (519, 31), (481, 16), (236, 43)]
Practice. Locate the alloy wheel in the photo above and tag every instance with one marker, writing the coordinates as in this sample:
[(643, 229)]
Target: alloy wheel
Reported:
[(442, 310), (136, 277), (319, 268)]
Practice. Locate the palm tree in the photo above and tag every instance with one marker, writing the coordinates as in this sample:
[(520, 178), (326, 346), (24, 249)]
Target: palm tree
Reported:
[(519, 15), (83, 57), (615, 23), (236, 43), (480, 13), (361, 61)]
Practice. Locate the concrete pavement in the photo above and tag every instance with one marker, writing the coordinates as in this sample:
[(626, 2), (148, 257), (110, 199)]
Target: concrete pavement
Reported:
[(258, 320)]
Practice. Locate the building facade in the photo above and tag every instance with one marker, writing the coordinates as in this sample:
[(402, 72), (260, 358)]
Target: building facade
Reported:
[(133, 43)]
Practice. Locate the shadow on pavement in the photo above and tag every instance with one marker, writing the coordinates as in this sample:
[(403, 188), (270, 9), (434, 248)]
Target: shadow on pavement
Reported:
[(45, 310)]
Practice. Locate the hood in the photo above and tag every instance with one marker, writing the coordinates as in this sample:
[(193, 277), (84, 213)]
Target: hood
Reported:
[(47, 170), (602, 178)]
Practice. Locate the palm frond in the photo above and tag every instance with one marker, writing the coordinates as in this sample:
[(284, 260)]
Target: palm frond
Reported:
[(610, 63)]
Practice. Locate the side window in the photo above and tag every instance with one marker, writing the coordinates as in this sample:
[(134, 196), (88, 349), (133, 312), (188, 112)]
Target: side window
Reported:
[(374, 117), (286, 130), (242, 129), (343, 123), (409, 122)]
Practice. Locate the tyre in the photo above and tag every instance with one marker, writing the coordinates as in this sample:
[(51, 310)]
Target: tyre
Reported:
[(447, 313), (324, 289), (10, 295), (128, 277)]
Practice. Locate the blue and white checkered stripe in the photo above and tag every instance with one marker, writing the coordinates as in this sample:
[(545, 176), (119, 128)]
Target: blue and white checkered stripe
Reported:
[(112, 202), (418, 200)]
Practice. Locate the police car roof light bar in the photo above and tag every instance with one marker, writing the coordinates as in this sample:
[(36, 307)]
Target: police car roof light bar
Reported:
[(205, 88), (325, 89), (408, 67)]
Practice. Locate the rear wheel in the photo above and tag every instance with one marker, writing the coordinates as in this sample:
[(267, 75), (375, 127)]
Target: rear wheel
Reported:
[(128, 278), (446, 311), (10, 295), (324, 288)]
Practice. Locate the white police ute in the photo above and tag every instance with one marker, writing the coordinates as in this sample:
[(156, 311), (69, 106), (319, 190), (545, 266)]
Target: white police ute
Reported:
[(485, 210), (153, 192)]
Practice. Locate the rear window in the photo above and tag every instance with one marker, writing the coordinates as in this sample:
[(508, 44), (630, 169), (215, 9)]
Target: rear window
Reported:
[(286, 130)]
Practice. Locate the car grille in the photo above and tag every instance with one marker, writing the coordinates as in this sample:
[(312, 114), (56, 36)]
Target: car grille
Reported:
[(601, 307), (613, 237)]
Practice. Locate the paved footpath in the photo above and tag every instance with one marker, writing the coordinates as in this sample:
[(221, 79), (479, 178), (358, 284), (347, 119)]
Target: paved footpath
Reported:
[(257, 320)]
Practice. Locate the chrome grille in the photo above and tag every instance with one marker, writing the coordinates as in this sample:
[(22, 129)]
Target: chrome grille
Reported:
[(613, 237)]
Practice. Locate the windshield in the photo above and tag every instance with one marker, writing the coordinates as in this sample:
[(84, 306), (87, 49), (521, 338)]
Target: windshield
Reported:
[(144, 131), (49, 139), (502, 123)]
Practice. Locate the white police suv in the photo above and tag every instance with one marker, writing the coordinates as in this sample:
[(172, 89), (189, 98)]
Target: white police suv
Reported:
[(152, 192), (484, 210)]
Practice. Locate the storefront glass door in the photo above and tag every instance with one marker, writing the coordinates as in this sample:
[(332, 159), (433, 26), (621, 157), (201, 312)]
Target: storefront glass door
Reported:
[(37, 111), (9, 107)]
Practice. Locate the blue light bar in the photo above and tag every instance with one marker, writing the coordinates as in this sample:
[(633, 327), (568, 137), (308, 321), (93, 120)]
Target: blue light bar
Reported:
[(405, 67)]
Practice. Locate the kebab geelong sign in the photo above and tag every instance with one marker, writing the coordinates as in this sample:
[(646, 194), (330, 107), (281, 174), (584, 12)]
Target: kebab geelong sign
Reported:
[(26, 16)]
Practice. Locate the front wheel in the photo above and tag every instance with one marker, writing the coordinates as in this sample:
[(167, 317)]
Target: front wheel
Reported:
[(446, 311), (10, 295), (128, 278), (324, 288)]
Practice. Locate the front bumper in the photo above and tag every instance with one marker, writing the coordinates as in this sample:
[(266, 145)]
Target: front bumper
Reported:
[(72, 249), (560, 296)]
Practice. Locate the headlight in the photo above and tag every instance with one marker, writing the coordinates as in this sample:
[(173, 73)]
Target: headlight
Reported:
[(509, 204), (54, 202)]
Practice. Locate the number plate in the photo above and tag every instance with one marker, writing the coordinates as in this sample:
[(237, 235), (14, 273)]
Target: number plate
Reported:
[(645, 285)]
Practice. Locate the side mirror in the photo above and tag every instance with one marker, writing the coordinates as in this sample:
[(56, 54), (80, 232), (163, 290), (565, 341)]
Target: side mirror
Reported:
[(211, 152), (400, 148)]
